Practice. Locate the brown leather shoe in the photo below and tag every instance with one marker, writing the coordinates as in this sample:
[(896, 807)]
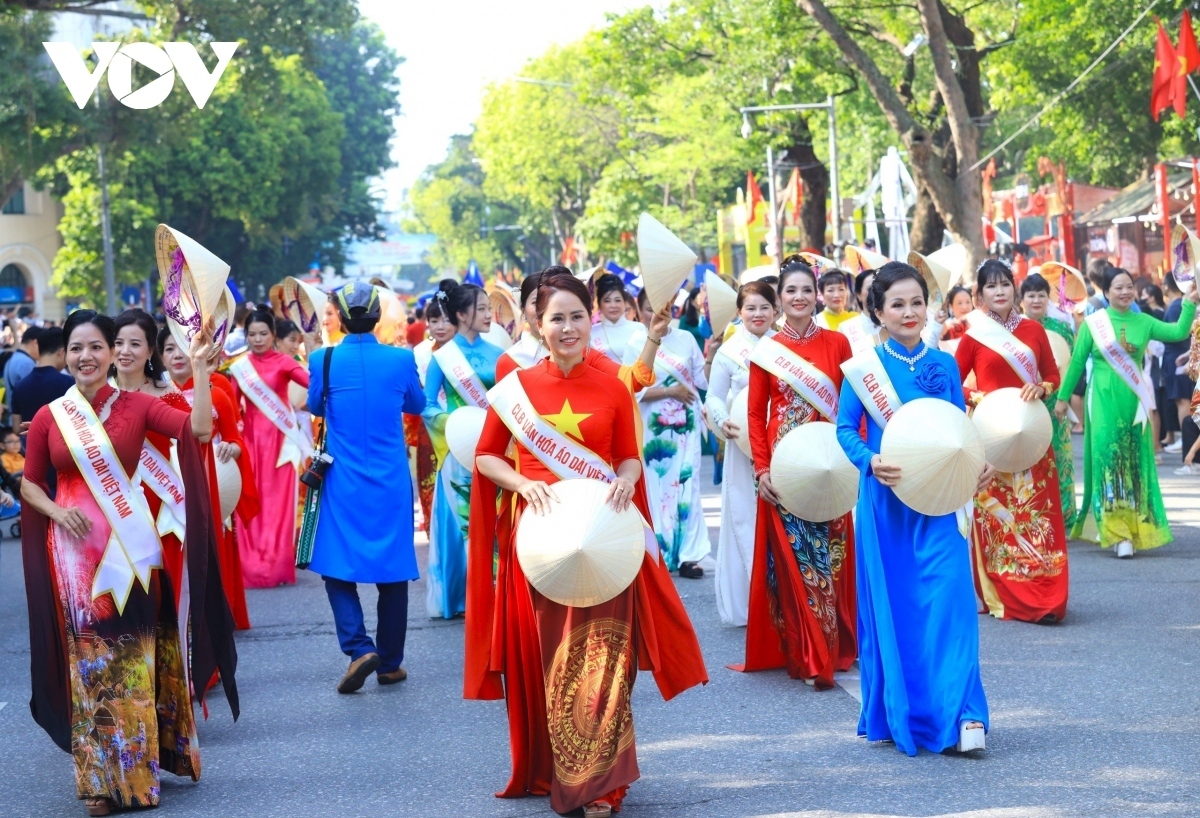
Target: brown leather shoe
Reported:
[(397, 675), (357, 674)]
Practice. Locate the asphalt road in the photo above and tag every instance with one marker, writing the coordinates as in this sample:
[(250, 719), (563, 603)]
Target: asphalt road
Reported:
[(1096, 716)]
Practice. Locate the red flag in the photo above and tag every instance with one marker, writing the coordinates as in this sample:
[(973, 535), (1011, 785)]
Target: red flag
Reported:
[(753, 197), (797, 194), (1187, 55), (1165, 62)]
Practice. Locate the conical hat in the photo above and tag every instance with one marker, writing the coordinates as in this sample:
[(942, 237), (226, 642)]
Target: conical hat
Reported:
[(229, 486), (819, 263), (812, 475), (589, 275), (1015, 433), (297, 395), (581, 552), (193, 280), (1061, 350), (1066, 278), (223, 318), (666, 261), (463, 428), (304, 304), (1186, 255), (722, 303), (506, 312), (275, 296), (859, 259), (755, 273), (739, 414), (497, 336), (393, 320), (939, 453), (942, 270)]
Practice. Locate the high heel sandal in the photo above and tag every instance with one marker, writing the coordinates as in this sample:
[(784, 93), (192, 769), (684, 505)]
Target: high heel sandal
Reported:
[(98, 806), (970, 736), (598, 809)]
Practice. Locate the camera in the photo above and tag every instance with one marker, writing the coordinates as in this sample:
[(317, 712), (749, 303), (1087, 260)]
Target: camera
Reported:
[(314, 475)]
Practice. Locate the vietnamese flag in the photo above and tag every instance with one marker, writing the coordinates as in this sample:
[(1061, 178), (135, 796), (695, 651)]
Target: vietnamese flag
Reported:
[(753, 197), (1162, 91), (1187, 56)]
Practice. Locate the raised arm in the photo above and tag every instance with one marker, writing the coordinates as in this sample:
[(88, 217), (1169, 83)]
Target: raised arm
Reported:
[(1079, 356), (1181, 329)]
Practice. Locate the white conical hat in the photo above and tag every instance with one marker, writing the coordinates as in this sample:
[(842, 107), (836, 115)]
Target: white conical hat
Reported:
[(755, 273), (497, 336), (581, 552), (1016, 434), (229, 486), (193, 280), (820, 264), (1064, 277), (942, 269), (739, 414), (722, 304), (297, 395), (665, 261), (1185, 248), (463, 428), (304, 304), (859, 259), (1061, 350), (939, 453), (812, 475)]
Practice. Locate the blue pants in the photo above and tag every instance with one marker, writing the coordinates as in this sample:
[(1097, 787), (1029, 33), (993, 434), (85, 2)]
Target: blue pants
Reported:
[(352, 633)]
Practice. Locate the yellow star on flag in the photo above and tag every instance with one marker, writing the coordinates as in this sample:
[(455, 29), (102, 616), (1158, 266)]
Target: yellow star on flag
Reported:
[(567, 421)]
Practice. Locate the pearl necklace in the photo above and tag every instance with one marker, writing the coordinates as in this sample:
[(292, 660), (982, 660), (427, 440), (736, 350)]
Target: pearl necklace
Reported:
[(912, 362)]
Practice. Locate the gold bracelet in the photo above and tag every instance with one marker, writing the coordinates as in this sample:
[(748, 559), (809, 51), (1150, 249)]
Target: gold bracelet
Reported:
[(655, 341)]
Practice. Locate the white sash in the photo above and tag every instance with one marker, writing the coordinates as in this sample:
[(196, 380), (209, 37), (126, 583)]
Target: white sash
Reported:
[(996, 337), (860, 336), (739, 347), (869, 380), (156, 472), (599, 341), (460, 375), (803, 377), (675, 368), (527, 352), (566, 458), (1122, 362), (295, 447), (133, 549)]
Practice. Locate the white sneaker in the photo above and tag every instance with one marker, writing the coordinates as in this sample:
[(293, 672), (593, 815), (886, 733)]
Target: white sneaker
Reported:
[(1174, 448), (1124, 550), (970, 737), (1187, 468)]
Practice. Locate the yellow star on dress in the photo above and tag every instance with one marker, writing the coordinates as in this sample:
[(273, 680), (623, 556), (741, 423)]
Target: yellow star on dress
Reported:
[(567, 421)]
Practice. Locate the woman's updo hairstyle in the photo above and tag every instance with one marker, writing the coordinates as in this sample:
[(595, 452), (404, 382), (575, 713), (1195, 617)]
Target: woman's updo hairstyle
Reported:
[(1110, 276), (529, 288), (260, 316), (992, 270), (791, 265), (154, 369), (286, 329), (459, 298), (556, 278), (759, 288), (1034, 283), (608, 283), (953, 294), (100, 321), (887, 277)]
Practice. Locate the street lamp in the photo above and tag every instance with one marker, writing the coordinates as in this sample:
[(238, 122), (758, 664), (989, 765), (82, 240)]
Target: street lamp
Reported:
[(835, 197)]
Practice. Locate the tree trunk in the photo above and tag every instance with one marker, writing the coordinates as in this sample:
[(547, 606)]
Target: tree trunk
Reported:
[(927, 228), (814, 179)]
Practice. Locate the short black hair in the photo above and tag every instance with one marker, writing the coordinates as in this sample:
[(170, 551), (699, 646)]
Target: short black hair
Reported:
[(49, 342), (102, 322), (992, 270), (887, 277), (1034, 283), (1111, 275), (831, 277), (32, 333), (285, 328), (260, 316), (954, 291)]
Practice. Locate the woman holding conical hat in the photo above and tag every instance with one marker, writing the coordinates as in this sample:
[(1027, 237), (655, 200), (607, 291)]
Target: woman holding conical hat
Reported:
[(671, 444), (757, 304), (113, 660), (226, 446), (1036, 305), (566, 672), (1122, 504), (918, 630), (464, 368), (801, 610), (1019, 547), (276, 447)]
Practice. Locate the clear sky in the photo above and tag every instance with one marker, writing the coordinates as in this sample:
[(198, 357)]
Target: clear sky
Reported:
[(452, 50)]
